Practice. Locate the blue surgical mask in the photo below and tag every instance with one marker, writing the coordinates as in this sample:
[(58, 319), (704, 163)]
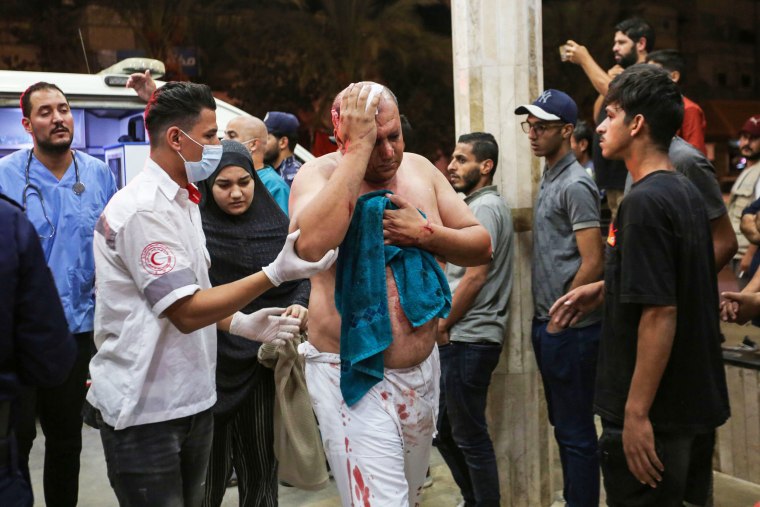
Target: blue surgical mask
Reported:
[(205, 167)]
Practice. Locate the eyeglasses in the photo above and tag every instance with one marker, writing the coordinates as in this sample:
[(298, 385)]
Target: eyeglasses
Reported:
[(539, 128)]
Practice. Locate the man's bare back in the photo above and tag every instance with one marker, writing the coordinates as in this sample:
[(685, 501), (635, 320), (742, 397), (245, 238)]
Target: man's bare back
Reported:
[(322, 200)]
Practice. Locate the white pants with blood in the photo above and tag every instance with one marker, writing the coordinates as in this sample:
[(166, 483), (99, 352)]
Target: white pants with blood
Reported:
[(378, 449)]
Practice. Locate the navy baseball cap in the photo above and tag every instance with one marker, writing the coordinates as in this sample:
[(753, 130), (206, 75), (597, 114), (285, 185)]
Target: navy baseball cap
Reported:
[(552, 105), (281, 123)]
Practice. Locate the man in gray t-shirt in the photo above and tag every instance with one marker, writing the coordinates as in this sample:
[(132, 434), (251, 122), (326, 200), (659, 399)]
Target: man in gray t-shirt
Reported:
[(567, 253), (470, 338)]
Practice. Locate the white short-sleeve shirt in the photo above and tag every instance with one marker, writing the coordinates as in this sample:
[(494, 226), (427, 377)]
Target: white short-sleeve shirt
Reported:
[(149, 252)]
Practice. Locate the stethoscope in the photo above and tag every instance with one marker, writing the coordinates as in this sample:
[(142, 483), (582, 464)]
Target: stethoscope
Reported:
[(77, 187)]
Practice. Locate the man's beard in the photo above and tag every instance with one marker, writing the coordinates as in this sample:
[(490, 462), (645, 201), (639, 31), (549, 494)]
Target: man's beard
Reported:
[(467, 182), (753, 156), (270, 157), (56, 148), (628, 59)]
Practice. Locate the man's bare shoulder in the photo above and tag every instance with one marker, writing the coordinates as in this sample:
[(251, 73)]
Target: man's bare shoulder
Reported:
[(322, 167), (416, 160), (419, 167), (419, 164), (310, 179), (314, 174)]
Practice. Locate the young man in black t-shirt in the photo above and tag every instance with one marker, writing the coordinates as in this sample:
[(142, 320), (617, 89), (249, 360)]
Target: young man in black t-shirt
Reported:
[(660, 388)]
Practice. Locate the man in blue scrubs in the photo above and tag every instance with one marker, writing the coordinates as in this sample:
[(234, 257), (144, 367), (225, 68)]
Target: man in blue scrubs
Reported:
[(63, 193)]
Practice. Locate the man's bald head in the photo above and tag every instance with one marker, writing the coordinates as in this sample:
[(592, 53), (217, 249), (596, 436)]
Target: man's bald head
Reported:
[(386, 97), (252, 132), (242, 128)]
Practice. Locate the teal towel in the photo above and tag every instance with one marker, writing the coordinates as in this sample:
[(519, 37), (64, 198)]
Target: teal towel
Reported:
[(362, 299)]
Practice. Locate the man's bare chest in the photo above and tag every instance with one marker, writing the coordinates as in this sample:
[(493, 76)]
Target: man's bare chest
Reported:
[(420, 196)]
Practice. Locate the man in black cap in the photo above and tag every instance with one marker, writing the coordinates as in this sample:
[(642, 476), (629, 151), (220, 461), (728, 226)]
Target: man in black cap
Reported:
[(567, 253), (281, 142)]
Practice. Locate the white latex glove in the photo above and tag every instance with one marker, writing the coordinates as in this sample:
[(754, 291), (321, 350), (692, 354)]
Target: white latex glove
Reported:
[(289, 266), (265, 326)]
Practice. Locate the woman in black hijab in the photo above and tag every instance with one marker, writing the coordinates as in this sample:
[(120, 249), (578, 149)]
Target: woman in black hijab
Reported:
[(245, 229)]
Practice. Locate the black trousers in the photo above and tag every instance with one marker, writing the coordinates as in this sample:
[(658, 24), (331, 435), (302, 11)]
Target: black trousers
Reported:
[(245, 441), (687, 458), (60, 412), (160, 464)]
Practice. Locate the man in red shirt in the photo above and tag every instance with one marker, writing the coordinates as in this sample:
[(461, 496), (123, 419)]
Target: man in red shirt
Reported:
[(693, 127)]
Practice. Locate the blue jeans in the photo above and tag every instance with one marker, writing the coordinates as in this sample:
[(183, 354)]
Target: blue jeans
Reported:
[(162, 463), (567, 361), (463, 439), (687, 458)]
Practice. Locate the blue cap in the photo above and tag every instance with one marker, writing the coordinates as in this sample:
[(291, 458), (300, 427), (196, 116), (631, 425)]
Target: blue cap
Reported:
[(280, 123), (552, 105)]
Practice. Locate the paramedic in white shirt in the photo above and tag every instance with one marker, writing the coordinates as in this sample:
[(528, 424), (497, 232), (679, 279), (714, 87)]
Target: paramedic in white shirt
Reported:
[(157, 314)]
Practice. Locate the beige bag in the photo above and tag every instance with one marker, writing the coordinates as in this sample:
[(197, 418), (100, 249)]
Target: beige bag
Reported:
[(297, 443)]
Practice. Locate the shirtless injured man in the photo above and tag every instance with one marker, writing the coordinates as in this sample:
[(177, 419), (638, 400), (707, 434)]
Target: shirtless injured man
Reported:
[(371, 361)]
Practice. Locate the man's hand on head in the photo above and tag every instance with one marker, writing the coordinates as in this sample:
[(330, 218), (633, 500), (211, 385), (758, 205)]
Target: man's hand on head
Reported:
[(404, 226), (143, 84), (356, 124)]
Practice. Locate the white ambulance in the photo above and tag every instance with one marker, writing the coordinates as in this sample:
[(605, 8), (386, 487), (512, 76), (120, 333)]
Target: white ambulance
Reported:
[(108, 117)]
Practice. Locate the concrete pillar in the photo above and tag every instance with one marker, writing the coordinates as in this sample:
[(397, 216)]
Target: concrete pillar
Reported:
[(497, 66)]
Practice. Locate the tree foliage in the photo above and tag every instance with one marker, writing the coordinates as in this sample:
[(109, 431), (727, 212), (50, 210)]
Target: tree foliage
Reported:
[(158, 26), (296, 55), (52, 27), (291, 55)]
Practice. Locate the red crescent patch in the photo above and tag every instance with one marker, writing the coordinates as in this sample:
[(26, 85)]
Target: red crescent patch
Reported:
[(157, 259)]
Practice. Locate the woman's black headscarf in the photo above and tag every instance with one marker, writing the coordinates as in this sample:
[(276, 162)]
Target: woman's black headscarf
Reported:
[(239, 245)]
